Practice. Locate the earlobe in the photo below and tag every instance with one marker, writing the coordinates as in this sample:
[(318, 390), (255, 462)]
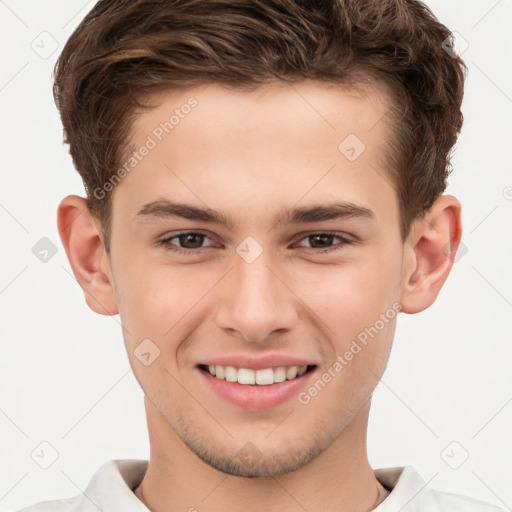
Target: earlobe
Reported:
[(83, 242), (429, 252)]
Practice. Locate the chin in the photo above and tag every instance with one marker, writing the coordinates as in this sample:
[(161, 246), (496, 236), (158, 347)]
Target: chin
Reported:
[(251, 461), (257, 464)]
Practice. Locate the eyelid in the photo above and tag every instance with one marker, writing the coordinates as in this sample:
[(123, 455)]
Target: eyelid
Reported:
[(341, 234)]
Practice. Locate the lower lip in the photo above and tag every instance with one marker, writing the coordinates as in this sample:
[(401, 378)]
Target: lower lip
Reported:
[(256, 397)]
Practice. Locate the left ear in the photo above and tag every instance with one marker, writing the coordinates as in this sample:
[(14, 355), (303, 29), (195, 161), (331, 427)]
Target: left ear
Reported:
[(429, 252)]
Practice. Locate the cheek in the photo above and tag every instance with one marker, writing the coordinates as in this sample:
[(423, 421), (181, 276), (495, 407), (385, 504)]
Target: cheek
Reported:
[(154, 297), (352, 297)]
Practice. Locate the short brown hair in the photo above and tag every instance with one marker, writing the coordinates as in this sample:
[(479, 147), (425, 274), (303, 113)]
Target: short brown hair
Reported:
[(124, 50)]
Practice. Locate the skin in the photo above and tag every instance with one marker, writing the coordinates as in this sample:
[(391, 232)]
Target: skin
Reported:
[(252, 155)]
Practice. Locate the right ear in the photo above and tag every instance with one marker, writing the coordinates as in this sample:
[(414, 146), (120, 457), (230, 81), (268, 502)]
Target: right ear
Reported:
[(82, 239)]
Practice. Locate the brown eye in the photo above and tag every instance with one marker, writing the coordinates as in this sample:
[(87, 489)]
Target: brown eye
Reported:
[(187, 242), (190, 240), (323, 242)]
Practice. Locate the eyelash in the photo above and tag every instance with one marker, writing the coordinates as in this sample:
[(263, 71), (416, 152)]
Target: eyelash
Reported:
[(166, 243)]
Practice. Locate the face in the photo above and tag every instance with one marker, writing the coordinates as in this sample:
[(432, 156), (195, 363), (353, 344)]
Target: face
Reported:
[(258, 239)]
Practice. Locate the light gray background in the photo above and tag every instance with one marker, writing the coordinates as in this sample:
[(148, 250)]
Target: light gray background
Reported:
[(64, 374)]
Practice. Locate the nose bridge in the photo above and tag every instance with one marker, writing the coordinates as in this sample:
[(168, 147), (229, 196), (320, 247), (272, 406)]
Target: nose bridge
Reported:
[(256, 302)]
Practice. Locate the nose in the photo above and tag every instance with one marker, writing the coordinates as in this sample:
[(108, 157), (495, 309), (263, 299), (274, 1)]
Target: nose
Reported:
[(256, 300)]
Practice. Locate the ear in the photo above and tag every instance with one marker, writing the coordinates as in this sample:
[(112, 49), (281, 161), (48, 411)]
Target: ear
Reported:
[(81, 236), (429, 252)]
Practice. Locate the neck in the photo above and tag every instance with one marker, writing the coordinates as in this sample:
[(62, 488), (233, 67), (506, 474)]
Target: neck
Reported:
[(340, 479)]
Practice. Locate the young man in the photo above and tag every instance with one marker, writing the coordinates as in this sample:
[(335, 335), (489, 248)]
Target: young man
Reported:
[(264, 197)]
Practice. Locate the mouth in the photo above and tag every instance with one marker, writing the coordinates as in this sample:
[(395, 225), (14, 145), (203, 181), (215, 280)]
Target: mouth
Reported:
[(255, 389), (261, 377)]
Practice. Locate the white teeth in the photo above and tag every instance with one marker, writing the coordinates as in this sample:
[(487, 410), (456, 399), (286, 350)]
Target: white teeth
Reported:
[(291, 373), (280, 374), (246, 376), (264, 377), (231, 374), (219, 372)]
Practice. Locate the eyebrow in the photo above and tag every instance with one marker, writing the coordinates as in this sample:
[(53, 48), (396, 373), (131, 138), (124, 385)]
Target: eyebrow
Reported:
[(298, 215)]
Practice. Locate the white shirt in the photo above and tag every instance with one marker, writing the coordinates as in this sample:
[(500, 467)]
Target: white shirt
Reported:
[(111, 490)]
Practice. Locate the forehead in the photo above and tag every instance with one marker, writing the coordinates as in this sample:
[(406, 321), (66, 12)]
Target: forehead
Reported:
[(325, 106), (280, 143)]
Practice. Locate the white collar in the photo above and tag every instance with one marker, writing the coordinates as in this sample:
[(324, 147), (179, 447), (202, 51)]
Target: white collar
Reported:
[(111, 490)]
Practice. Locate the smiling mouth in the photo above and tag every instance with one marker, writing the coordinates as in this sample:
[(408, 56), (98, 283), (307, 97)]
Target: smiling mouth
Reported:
[(263, 377)]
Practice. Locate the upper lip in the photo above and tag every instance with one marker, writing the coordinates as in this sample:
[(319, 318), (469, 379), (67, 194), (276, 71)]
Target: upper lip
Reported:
[(257, 363)]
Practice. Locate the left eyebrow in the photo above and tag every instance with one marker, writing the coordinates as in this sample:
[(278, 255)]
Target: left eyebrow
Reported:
[(319, 213), (298, 215)]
